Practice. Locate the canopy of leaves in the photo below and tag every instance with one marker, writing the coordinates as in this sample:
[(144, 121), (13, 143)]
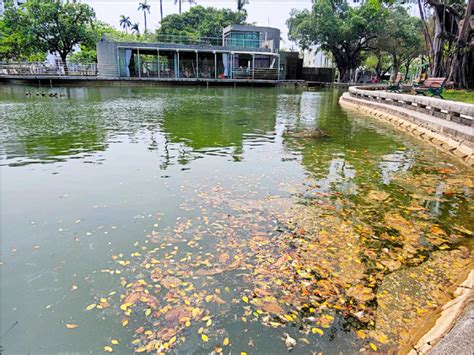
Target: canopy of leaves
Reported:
[(56, 26), (201, 21), (15, 42), (336, 27)]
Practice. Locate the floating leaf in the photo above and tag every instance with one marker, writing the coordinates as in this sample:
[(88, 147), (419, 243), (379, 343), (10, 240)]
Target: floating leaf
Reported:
[(108, 349), (245, 299), (373, 346), (317, 331), (114, 341), (91, 307), (71, 326), (204, 338), (226, 341)]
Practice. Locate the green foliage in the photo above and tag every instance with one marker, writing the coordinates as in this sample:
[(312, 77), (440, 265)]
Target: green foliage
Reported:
[(337, 28), (200, 21), (400, 37), (15, 42)]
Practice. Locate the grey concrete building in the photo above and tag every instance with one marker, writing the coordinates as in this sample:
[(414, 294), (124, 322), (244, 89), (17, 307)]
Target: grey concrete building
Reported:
[(244, 52)]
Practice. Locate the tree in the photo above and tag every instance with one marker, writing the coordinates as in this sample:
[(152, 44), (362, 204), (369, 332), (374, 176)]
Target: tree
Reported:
[(145, 7), (15, 41), (125, 22), (241, 4), (136, 28), (179, 2), (200, 21), (449, 38), (56, 26), (161, 11), (337, 28), (399, 37)]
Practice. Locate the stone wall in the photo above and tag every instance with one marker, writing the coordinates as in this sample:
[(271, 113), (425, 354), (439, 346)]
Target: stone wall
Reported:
[(455, 139)]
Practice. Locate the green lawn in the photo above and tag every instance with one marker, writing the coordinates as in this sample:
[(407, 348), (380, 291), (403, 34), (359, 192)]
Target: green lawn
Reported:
[(459, 95)]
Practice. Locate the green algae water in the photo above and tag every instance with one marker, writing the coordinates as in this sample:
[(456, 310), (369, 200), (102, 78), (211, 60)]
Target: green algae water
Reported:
[(193, 220)]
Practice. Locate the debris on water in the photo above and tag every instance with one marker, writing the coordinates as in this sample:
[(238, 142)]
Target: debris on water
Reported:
[(313, 133)]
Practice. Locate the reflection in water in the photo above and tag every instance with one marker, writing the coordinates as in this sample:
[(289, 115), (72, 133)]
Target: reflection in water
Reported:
[(258, 231)]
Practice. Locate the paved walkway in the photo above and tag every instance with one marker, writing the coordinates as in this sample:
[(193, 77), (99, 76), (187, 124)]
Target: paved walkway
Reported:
[(460, 340)]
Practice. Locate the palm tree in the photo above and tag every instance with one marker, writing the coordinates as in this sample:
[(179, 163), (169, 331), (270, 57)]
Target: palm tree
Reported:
[(125, 22), (145, 7), (241, 4), (136, 28), (179, 2)]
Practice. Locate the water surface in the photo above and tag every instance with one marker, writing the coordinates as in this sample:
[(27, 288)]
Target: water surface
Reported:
[(208, 200)]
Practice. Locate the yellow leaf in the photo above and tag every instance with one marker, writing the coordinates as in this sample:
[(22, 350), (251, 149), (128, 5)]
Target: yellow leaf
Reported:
[(361, 334), (91, 307), (226, 341), (140, 350), (108, 349), (209, 298), (245, 299), (373, 346), (243, 353), (71, 326), (172, 340), (103, 300), (147, 312), (317, 331), (209, 322), (188, 323), (114, 341), (124, 322), (204, 338), (124, 306)]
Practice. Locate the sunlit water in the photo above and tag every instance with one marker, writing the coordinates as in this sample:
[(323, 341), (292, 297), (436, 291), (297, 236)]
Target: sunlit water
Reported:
[(99, 183)]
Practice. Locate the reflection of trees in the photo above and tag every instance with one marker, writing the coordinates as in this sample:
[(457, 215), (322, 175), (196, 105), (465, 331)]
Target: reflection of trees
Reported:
[(218, 121)]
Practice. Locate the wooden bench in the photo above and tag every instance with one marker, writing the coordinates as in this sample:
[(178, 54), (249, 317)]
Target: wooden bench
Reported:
[(434, 86)]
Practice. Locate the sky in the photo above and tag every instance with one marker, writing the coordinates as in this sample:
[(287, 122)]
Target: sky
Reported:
[(260, 12)]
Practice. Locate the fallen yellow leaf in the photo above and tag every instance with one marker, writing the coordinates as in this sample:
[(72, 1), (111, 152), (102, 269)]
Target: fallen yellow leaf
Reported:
[(317, 331), (245, 299), (226, 341), (114, 341), (204, 338), (373, 346), (71, 326), (91, 307), (108, 349)]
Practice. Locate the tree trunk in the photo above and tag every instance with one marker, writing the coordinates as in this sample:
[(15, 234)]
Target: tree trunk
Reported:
[(64, 63), (179, 6), (144, 15), (395, 69), (407, 69), (460, 66), (161, 10)]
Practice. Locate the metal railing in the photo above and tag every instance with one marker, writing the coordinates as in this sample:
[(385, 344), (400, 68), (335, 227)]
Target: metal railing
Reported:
[(38, 69), (191, 40)]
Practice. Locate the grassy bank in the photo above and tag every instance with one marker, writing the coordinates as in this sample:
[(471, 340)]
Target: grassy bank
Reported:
[(460, 95)]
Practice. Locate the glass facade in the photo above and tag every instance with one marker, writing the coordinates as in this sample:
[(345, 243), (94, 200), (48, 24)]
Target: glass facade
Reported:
[(242, 39)]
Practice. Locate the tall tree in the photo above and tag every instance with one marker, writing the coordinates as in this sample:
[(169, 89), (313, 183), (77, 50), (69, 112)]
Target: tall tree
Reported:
[(344, 31), (56, 26), (179, 2), (125, 22), (399, 37), (241, 4), (200, 21), (145, 7), (161, 10)]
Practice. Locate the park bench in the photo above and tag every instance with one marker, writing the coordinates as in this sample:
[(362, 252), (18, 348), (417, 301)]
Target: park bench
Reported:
[(434, 86), (395, 87)]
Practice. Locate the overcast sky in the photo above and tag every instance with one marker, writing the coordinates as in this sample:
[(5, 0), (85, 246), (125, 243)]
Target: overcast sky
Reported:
[(263, 13)]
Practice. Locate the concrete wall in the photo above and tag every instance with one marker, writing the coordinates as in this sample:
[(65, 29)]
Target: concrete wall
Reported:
[(107, 65), (325, 75)]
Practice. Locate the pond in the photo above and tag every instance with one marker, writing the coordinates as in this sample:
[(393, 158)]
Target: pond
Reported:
[(243, 220)]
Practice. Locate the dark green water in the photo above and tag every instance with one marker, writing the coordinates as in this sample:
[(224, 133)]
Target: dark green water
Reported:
[(93, 174)]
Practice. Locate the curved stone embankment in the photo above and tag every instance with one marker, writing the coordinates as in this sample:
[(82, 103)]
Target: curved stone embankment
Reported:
[(446, 125), (449, 126)]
